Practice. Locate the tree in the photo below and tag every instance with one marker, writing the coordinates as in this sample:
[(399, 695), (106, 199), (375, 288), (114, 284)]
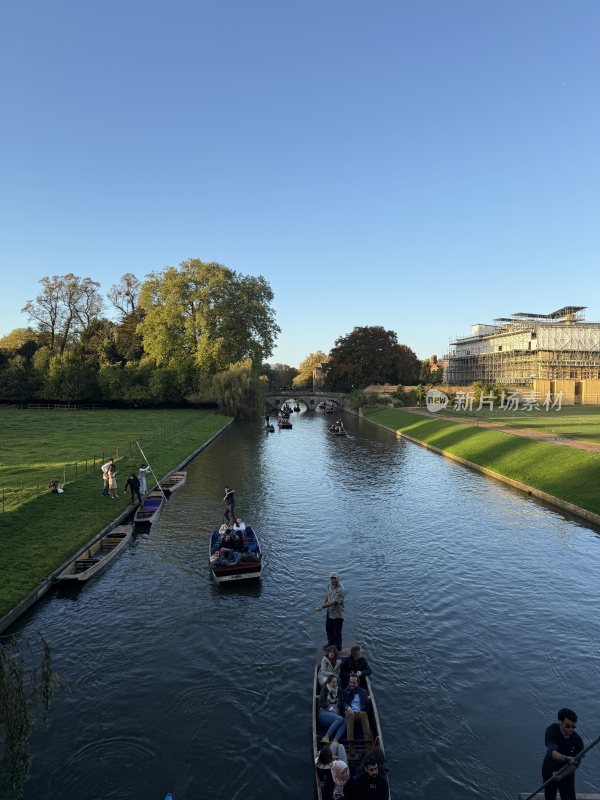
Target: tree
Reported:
[(279, 375), (209, 313), (65, 306), (313, 362), (70, 379), (370, 355), (125, 295), (239, 391)]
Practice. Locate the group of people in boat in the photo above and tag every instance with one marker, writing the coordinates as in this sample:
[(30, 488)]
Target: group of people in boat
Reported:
[(337, 427), (231, 547), (343, 706)]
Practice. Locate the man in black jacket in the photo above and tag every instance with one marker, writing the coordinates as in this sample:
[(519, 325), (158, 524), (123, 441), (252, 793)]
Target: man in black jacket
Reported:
[(370, 785), (355, 663), (562, 747)]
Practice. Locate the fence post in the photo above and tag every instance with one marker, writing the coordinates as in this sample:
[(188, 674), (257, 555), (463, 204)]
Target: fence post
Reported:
[(64, 474), (86, 465), (76, 470), (117, 457), (38, 489)]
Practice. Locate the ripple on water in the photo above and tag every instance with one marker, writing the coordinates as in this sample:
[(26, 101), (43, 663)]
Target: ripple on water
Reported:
[(466, 596)]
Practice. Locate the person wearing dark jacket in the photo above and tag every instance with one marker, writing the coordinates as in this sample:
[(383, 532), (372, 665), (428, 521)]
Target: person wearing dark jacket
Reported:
[(562, 747), (133, 483), (356, 705), (370, 785), (355, 663)]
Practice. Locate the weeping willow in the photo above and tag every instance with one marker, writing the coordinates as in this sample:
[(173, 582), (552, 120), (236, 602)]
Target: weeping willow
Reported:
[(26, 688), (239, 391)]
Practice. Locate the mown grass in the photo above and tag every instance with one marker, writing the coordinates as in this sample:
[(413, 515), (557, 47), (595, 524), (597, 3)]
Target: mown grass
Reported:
[(564, 472), (38, 535), (574, 422)]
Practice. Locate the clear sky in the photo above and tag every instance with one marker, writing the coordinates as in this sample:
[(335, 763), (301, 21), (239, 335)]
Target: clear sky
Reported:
[(417, 164)]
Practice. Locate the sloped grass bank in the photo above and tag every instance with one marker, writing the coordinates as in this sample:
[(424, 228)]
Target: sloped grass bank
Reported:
[(39, 535), (568, 474)]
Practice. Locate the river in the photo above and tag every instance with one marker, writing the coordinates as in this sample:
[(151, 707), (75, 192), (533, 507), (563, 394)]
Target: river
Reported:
[(477, 608)]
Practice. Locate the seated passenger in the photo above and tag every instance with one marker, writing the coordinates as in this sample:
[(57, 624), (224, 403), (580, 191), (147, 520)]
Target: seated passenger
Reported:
[(357, 664), (329, 755), (330, 664), (356, 705), (331, 711), (371, 784), (239, 526)]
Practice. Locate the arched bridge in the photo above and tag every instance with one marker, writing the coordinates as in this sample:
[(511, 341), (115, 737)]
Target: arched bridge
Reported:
[(307, 397)]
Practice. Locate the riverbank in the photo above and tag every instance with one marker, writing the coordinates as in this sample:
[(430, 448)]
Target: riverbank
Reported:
[(557, 474), (40, 535)]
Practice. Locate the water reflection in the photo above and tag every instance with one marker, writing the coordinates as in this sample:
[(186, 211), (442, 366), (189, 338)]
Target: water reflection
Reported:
[(476, 607)]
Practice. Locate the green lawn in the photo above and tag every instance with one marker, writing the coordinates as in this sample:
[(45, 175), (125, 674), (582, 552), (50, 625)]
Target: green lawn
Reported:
[(40, 530), (574, 422), (572, 475)]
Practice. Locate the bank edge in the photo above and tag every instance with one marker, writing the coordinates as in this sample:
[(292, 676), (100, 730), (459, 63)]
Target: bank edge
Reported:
[(397, 421), (49, 580)]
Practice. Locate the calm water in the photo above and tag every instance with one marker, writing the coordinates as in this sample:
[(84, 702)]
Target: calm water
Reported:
[(477, 608)]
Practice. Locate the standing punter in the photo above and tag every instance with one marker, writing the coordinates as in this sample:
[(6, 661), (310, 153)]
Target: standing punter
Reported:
[(334, 603), (562, 747)]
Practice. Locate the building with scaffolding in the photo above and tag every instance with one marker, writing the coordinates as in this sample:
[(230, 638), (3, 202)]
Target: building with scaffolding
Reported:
[(547, 352)]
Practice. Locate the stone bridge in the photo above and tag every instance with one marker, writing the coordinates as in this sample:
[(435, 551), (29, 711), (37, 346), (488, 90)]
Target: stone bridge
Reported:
[(307, 398)]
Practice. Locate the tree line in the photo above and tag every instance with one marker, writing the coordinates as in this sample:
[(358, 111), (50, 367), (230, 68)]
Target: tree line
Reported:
[(196, 333)]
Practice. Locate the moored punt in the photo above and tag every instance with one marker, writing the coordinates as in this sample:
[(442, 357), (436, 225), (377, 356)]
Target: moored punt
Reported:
[(579, 796), (361, 747), (148, 511), (245, 565), (97, 555), (173, 482)]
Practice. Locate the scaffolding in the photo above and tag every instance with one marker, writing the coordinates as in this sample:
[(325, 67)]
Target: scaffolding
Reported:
[(524, 347)]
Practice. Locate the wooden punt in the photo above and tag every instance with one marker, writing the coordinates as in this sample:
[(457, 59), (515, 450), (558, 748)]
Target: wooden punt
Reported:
[(284, 423), (97, 555), (174, 482), (579, 796), (360, 746), (249, 567), (148, 511)]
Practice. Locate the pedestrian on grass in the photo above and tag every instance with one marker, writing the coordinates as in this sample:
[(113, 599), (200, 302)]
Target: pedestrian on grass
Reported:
[(133, 484), (105, 476), (142, 472), (112, 481)]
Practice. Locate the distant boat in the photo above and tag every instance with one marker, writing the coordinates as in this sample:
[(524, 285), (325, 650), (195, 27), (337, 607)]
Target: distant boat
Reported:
[(97, 555), (270, 428), (174, 482), (284, 423), (246, 567), (150, 507)]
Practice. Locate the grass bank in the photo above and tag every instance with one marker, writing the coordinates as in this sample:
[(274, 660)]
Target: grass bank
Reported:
[(39, 532), (574, 422), (569, 474)]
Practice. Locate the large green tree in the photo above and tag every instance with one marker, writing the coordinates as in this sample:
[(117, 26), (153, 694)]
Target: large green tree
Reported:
[(313, 362), (370, 355), (206, 313), (240, 391), (65, 306)]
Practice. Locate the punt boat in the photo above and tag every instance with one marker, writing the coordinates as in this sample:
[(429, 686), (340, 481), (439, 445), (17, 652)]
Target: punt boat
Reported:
[(149, 509), (97, 555), (360, 746), (247, 566), (173, 482)]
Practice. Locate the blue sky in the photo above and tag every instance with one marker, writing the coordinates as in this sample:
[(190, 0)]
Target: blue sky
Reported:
[(419, 165)]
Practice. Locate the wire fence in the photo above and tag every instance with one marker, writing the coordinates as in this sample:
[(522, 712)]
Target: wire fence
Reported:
[(14, 496)]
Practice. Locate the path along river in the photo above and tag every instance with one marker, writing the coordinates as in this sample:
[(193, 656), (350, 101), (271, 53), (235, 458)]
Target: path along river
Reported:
[(477, 608)]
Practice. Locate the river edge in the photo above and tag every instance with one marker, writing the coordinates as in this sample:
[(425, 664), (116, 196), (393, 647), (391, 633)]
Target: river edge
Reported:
[(528, 488), (50, 580)]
